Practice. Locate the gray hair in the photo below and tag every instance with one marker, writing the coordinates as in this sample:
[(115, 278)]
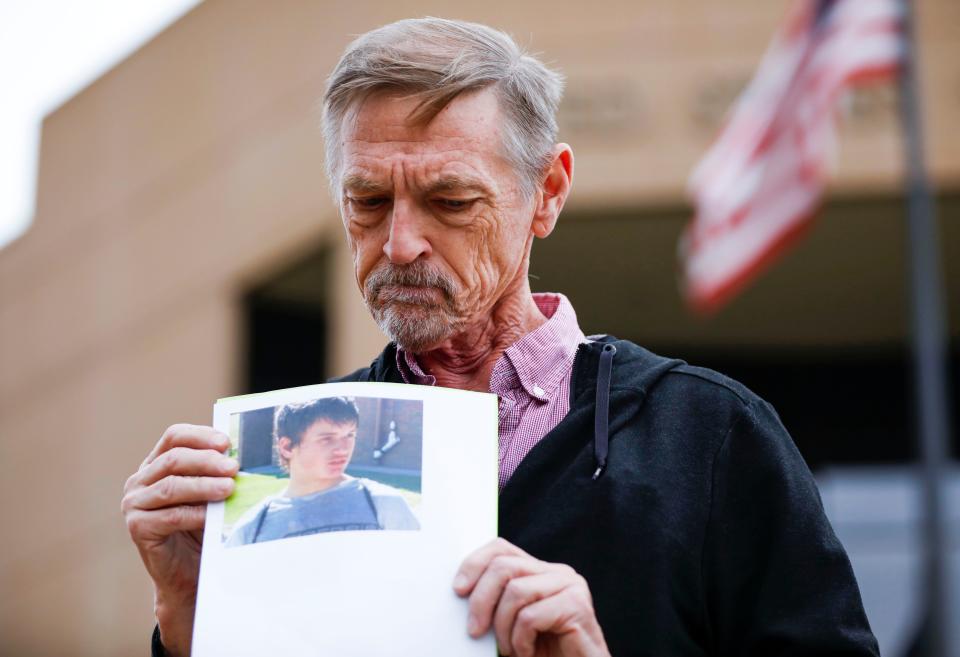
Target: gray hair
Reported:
[(434, 60)]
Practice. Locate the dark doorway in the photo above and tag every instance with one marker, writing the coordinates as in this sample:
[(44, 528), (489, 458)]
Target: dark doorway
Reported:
[(286, 327)]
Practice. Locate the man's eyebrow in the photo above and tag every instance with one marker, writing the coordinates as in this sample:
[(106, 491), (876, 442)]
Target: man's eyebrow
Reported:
[(454, 183), (357, 183), (449, 183)]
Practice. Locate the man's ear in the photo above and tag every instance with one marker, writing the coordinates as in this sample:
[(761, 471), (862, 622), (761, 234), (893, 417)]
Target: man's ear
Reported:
[(285, 447), (553, 191)]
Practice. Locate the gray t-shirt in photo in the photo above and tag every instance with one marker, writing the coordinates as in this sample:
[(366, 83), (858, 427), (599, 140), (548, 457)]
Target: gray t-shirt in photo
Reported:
[(354, 504)]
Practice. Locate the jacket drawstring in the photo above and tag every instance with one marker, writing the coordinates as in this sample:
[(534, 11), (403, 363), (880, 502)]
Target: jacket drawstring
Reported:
[(601, 423)]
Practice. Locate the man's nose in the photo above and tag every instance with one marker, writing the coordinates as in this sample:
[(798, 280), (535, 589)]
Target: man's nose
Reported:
[(406, 241)]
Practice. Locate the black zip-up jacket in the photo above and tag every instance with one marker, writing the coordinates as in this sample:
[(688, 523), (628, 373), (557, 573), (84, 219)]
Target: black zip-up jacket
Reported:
[(687, 508), (703, 532)]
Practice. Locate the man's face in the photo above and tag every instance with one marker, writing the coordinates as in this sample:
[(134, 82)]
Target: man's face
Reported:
[(435, 216), (323, 452)]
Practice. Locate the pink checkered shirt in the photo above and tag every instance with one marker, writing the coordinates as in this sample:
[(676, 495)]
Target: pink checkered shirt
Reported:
[(531, 378)]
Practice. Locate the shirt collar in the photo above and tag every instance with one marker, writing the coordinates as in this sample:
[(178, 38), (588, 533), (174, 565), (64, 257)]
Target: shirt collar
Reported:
[(537, 363), (411, 371)]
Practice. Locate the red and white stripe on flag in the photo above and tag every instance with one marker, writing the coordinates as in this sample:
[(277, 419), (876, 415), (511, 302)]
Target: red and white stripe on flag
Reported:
[(760, 183)]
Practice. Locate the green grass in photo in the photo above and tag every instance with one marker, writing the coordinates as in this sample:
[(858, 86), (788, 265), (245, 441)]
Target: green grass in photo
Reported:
[(250, 489)]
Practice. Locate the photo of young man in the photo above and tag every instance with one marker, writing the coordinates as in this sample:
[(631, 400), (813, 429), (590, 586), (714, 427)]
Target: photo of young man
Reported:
[(314, 442)]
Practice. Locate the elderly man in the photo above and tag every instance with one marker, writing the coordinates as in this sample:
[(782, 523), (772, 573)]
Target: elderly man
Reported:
[(647, 507)]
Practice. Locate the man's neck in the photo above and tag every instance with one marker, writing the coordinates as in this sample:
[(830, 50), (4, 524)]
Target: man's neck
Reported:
[(466, 361), (300, 488)]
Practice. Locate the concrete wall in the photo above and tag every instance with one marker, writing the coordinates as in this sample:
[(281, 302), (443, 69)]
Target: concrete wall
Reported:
[(194, 169)]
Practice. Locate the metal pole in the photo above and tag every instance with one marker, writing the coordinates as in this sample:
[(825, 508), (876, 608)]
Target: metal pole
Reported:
[(929, 346)]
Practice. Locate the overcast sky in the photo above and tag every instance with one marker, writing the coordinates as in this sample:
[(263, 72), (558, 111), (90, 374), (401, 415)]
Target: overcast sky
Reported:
[(50, 50)]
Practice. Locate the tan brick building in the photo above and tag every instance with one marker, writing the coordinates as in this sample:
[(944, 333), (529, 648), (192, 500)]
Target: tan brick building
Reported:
[(182, 214)]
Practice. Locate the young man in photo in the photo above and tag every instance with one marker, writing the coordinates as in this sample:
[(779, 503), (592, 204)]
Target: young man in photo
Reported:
[(314, 442)]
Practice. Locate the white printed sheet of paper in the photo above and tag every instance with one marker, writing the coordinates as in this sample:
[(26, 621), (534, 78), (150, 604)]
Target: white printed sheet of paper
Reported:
[(354, 507)]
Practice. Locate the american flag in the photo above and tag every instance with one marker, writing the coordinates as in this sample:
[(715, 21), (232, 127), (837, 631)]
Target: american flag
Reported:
[(760, 183)]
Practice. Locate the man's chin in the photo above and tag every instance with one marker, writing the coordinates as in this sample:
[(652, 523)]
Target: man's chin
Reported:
[(414, 330), (416, 342)]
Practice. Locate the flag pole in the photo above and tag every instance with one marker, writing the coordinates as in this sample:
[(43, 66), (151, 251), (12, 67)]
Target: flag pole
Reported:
[(929, 345)]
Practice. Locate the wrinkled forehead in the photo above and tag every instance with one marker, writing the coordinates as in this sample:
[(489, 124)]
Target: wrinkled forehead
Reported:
[(379, 134)]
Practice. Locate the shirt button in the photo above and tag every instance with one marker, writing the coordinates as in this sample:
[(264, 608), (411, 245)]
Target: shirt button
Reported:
[(538, 391)]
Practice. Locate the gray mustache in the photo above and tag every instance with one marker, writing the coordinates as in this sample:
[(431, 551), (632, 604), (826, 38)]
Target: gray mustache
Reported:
[(416, 274)]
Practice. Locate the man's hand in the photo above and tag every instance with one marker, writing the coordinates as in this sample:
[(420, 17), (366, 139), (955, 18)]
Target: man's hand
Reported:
[(164, 508), (537, 609)]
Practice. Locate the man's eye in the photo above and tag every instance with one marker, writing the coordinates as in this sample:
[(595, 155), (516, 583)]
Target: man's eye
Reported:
[(369, 203), (454, 204)]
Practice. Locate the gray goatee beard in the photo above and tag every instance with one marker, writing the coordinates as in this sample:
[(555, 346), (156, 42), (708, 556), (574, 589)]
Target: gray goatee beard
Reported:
[(415, 319)]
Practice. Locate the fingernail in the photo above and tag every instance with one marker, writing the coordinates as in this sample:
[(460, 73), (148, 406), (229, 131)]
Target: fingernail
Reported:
[(459, 581), (227, 464), (473, 625)]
